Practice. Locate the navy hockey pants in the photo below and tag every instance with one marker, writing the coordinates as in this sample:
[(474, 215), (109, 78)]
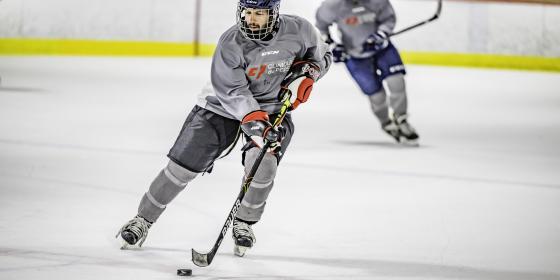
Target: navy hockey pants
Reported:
[(370, 72)]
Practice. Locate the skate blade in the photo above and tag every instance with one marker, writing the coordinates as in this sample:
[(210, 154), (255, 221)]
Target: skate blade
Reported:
[(125, 245), (394, 137), (239, 250), (409, 143)]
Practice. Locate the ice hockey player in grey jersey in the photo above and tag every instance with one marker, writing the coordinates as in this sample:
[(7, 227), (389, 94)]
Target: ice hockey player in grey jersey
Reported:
[(371, 58), (249, 67)]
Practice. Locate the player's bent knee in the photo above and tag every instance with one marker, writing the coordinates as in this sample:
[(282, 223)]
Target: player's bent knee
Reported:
[(396, 83), (379, 97), (179, 175), (267, 168)]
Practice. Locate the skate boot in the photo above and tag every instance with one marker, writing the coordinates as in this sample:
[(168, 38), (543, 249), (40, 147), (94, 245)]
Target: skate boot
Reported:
[(407, 133), (242, 236), (391, 128), (134, 232)]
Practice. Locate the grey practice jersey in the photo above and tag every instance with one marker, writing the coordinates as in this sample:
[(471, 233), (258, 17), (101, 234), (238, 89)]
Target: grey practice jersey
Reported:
[(356, 20), (246, 75)]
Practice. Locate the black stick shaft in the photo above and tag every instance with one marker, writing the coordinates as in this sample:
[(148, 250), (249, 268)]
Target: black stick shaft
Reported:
[(248, 179), (434, 17), (205, 259), (241, 195)]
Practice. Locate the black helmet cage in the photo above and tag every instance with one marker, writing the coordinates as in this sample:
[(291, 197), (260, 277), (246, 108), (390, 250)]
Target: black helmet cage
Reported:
[(263, 32)]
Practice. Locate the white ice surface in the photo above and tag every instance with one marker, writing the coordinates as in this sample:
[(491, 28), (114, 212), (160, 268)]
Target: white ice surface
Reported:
[(82, 138)]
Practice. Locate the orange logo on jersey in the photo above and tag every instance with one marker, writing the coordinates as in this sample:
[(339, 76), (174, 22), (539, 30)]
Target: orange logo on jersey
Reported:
[(280, 66), (253, 71), (353, 20), (360, 19)]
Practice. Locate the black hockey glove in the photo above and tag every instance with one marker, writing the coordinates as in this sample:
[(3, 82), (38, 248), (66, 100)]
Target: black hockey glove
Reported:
[(339, 53), (257, 126), (300, 80), (338, 50), (376, 42)]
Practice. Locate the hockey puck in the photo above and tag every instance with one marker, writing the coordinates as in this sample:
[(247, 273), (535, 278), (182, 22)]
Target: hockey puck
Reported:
[(184, 272)]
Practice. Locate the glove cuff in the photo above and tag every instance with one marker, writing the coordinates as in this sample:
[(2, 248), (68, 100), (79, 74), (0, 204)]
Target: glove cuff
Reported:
[(309, 69)]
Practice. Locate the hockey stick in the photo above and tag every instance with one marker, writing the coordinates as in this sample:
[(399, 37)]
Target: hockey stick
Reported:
[(204, 260), (434, 17)]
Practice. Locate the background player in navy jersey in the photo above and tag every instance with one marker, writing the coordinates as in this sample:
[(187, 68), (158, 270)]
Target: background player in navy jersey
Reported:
[(249, 67), (371, 58)]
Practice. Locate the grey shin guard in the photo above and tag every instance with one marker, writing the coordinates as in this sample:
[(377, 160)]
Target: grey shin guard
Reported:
[(379, 106), (166, 186), (397, 89), (252, 206)]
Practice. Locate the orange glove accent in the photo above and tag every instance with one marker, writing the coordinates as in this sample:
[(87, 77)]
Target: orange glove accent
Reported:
[(257, 127), (256, 116), (303, 92), (299, 81)]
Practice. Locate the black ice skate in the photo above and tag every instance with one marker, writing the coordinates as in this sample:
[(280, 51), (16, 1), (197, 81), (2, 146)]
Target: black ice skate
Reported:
[(134, 232), (242, 236), (407, 133), (391, 128)]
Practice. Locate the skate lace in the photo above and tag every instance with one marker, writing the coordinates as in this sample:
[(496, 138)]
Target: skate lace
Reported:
[(139, 227), (244, 230)]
